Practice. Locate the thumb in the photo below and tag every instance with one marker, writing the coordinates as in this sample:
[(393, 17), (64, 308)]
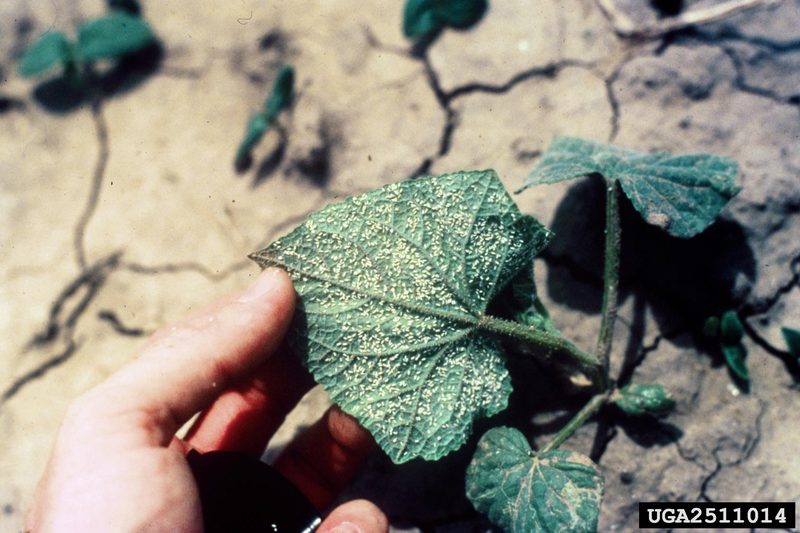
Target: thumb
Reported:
[(357, 516), (184, 367)]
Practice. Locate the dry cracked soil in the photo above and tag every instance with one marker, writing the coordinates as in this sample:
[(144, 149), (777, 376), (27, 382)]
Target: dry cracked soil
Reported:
[(121, 217)]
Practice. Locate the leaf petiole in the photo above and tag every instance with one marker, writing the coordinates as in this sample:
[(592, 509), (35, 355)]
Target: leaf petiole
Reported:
[(610, 280), (592, 406), (549, 342)]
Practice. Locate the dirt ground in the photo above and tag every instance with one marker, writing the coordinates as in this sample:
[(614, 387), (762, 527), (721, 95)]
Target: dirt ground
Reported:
[(118, 220)]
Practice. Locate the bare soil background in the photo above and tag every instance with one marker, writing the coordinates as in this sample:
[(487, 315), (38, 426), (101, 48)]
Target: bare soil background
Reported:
[(116, 221)]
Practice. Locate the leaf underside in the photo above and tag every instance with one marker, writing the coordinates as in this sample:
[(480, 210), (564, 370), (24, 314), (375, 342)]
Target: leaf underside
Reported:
[(681, 194), (392, 287), (112, 36), (553, 491)]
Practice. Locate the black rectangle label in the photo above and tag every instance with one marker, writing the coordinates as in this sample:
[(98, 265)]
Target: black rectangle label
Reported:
[(699, 515)]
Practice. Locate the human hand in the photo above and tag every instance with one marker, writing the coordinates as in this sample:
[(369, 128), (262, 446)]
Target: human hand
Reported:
[(117, 466)]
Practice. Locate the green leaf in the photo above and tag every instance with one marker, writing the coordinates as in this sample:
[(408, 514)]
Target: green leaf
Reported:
[(735, 357), (112, 36), (554, 491), (49, 50), (645, 399), (393, 286), (792, 338), (681, 194), (256, 127), (280, 97), (711, 327), (461, 14), (425, 17), (730, 329), (420, 18), (131, 7), (521, 303)]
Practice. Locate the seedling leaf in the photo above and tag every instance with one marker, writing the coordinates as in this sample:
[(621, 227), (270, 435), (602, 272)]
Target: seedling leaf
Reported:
[(792, 338), (280, 97), (131, 7), (49, 50), (256, 127), (462, 14), (520, 301), (735, 357), (420, 18), (393, 286), (425, 17), (645, 399), (730, 329), (711, 327), (521, 492), (681, 194), (112, 36)]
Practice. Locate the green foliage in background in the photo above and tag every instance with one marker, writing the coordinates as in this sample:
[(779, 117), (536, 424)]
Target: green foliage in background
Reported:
[(279, 99)]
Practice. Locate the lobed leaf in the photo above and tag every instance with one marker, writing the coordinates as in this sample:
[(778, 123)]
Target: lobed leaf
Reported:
[(792, 338), (280, 97), (393, 286), (52, 48), (645, 399), (681, 194), (112, 36), (523, 492)]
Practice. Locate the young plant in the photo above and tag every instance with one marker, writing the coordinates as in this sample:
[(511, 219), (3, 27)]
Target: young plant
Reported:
[(427, 18), (280, 98), (109, 37), (394, 287), (728, 331), (792, 338)]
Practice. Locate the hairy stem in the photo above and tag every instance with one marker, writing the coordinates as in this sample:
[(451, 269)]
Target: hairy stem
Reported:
[(610, 280), (591, 407), (548, 343)]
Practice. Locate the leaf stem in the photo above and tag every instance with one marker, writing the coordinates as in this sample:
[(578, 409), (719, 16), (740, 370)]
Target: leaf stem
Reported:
[(610, 281), (592, 406), (547, 341)]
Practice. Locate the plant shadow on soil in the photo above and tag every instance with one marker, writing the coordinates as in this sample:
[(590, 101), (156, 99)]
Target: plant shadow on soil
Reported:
[(59, 95), (683, 281)]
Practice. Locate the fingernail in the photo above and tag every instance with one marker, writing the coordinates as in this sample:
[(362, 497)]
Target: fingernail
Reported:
[(265, 283), (346, 527)]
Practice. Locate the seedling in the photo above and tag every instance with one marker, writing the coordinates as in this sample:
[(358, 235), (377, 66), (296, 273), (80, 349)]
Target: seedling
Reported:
[(728, 331), (110, 37), (280, 98), (792, 338), (394, 287), (427, 18)]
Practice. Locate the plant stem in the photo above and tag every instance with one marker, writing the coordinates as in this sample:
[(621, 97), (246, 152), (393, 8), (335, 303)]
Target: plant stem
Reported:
[(610, 281), (591, 407), (548, 342)]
